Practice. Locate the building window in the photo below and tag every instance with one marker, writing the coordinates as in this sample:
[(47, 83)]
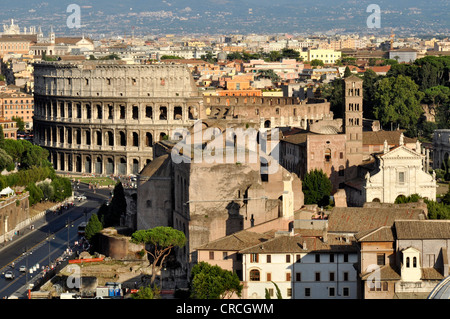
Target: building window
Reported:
[(327, 155), (307, 292), (269, 276), (317, 256), (298, 276), (298, 258), (289, 292), (269, 259), (345, 276), (254, 275), (345, 291), (407, 262), (225, 255), (346, 258), (270, 292), (288, 276), (401, 177), (414, 262), (288, 258), (211, 255), (331, 276), (331, 291), (380, 259), (385, 286), (317, 276), (254, 258)]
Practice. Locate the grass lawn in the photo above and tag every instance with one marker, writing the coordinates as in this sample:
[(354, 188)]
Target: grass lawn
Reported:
[(102, 181)]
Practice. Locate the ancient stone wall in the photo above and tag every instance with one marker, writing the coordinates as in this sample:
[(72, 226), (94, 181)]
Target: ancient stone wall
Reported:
[(103, 118)]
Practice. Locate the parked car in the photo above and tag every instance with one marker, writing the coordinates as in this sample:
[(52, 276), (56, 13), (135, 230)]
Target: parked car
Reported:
[(23, 269), (9, 275)]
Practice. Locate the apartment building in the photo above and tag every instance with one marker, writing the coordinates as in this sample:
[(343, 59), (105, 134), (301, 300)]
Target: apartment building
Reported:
[(327, 56), (17, 104), (302, 267)]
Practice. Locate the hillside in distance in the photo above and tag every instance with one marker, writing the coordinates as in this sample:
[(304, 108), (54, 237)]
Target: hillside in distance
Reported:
[(230, 16)]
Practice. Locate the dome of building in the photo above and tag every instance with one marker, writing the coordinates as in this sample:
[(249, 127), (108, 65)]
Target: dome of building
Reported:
[(442, 290), (327, 129)]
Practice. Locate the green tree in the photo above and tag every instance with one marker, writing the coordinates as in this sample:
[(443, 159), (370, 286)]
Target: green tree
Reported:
[(169, 57), (147, 293), (335, 94), (35, 193), (93, 227), (438, 99), (267, 294), (317, 188), (20, 123), (274, 56), (347, 72), (397, 102), (14, 148), (110, 215), (2, 136), (6, 161), (213, 282), (234, 56), (160, 240), (370, 79), (437, 210), (112, 56), (268, 74), (47, 190), (290, 54), (316, 62), (33, 155)]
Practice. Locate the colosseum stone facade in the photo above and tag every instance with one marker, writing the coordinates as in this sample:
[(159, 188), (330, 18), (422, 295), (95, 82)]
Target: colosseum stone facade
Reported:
[(102, 117)]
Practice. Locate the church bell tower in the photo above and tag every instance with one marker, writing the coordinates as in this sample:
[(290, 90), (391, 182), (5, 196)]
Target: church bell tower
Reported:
[(353, 125)]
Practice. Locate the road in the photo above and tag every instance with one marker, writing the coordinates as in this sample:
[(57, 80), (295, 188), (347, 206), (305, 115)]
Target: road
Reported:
[(48, 241)]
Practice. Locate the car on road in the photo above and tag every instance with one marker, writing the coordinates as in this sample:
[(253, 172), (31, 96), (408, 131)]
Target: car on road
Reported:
[(9, 275), (23, 269), (81, 197)]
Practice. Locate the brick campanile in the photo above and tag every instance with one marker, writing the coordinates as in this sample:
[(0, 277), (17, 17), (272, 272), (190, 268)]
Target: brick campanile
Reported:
[(353, 125)]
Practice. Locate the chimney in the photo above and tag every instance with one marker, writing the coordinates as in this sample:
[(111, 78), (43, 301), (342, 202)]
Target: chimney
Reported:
[(325, 235)]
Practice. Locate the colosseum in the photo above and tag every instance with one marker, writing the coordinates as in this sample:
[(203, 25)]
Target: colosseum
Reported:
[(103, 117)]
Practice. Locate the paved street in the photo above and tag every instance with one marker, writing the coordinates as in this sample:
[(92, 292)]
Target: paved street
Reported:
[(45, 243)]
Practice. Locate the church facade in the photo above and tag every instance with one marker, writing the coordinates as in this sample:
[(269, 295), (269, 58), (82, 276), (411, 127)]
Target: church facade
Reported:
[(400, 172)]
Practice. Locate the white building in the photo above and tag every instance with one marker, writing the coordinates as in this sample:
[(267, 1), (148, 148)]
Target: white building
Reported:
[(301, 267), (400, 172)]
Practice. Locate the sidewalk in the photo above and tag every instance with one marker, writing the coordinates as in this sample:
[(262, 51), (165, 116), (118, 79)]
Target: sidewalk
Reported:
[(37, 222)]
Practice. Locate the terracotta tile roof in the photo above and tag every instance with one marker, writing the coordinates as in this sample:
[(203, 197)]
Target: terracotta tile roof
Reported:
[(160, 166), (238, 241), (422, 229), (384, 233), (357, 219), (431, 274), (298, 244), (386, 272), (378, 137)]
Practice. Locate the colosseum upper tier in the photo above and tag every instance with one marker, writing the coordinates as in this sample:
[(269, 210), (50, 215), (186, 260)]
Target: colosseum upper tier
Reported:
[(103, 117)]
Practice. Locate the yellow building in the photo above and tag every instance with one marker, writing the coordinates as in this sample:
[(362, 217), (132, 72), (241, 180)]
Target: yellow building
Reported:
[(328, 56)]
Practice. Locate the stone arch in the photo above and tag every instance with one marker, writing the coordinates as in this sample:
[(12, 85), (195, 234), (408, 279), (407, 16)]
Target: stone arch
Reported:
[(148, 139), (98, 165)]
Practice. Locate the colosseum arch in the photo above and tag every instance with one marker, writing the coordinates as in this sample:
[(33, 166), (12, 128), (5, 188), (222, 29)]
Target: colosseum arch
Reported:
[(80, 104)]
